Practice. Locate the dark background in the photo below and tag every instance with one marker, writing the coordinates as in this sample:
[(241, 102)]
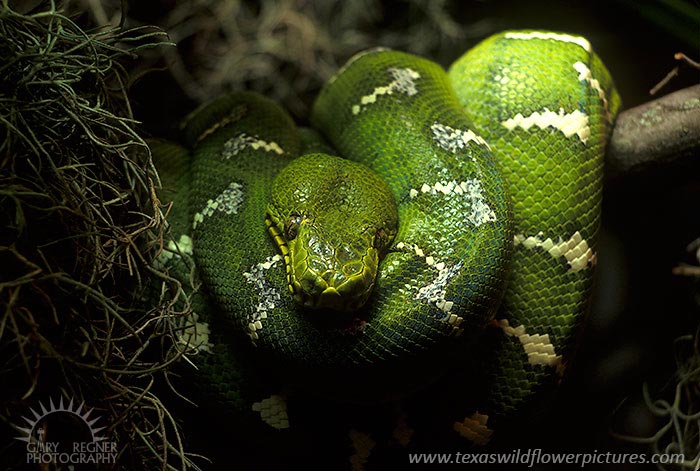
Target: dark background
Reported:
[(649, 218)]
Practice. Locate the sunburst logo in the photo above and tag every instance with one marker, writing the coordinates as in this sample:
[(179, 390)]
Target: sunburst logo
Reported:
[(80, 411), (52, 440)]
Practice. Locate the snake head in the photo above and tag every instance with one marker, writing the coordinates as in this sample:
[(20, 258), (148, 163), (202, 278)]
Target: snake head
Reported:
[(333, 220)]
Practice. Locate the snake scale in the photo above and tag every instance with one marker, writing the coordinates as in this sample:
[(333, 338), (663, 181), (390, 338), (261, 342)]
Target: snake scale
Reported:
[(495, 169)]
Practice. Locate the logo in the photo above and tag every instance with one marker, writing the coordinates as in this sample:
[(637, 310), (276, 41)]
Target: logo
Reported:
[(65, 434)]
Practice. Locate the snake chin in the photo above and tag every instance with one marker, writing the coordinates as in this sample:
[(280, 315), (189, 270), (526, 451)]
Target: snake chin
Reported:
[(333, 288)]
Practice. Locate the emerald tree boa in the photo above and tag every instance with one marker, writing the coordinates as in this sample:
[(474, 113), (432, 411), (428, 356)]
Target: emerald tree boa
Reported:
[(495, 169)]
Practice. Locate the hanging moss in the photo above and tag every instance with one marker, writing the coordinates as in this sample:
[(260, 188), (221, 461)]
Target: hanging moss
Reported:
[(80, 226)]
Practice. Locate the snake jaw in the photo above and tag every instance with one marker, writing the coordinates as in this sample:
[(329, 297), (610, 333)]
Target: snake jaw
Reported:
[(320, 284), (333, 278)]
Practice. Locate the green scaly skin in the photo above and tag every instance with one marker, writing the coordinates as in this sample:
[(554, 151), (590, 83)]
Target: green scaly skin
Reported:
[(555, 183), (333, 220), (441, 145)]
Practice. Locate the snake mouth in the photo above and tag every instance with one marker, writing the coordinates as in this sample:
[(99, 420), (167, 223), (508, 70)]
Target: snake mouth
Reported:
[(329, 298), (339, 279), (336, 289)]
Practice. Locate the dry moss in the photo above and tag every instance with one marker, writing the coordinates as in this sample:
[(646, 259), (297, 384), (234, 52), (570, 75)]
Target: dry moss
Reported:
[(679, 416), (81, 224)]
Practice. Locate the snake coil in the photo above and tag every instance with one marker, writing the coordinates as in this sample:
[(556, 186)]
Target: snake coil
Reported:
[(496, 170)]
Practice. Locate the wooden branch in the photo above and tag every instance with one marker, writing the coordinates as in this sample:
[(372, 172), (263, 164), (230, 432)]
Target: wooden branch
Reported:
[(660, 131)]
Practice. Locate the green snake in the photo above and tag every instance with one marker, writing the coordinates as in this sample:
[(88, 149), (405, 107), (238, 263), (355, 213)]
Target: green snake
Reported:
[(310, 287)]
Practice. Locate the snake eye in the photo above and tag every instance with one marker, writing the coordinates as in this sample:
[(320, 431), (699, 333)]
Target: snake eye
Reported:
[(291, 226)]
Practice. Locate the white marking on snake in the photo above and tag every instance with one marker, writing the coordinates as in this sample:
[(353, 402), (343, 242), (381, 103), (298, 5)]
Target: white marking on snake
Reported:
[(242, 141), (363, 444), (268, 295), (273, 411), (195, 334), (454, 140), (173, 251), (228, 202), (539, 349), (584, 73), (575, 250), (568, 123), (480, 212), (435, 291), (474, 429), (552, 36), (404, 82)]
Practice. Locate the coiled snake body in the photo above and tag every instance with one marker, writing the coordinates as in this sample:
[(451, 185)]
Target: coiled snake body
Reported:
[(479, 293)]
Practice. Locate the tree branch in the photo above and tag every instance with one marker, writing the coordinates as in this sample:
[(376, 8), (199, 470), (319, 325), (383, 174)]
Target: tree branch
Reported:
[(660, 131)]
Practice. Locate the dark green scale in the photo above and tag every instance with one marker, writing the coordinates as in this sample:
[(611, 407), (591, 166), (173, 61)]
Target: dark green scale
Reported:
[(245, 140), (240, 142), (224, 380)]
